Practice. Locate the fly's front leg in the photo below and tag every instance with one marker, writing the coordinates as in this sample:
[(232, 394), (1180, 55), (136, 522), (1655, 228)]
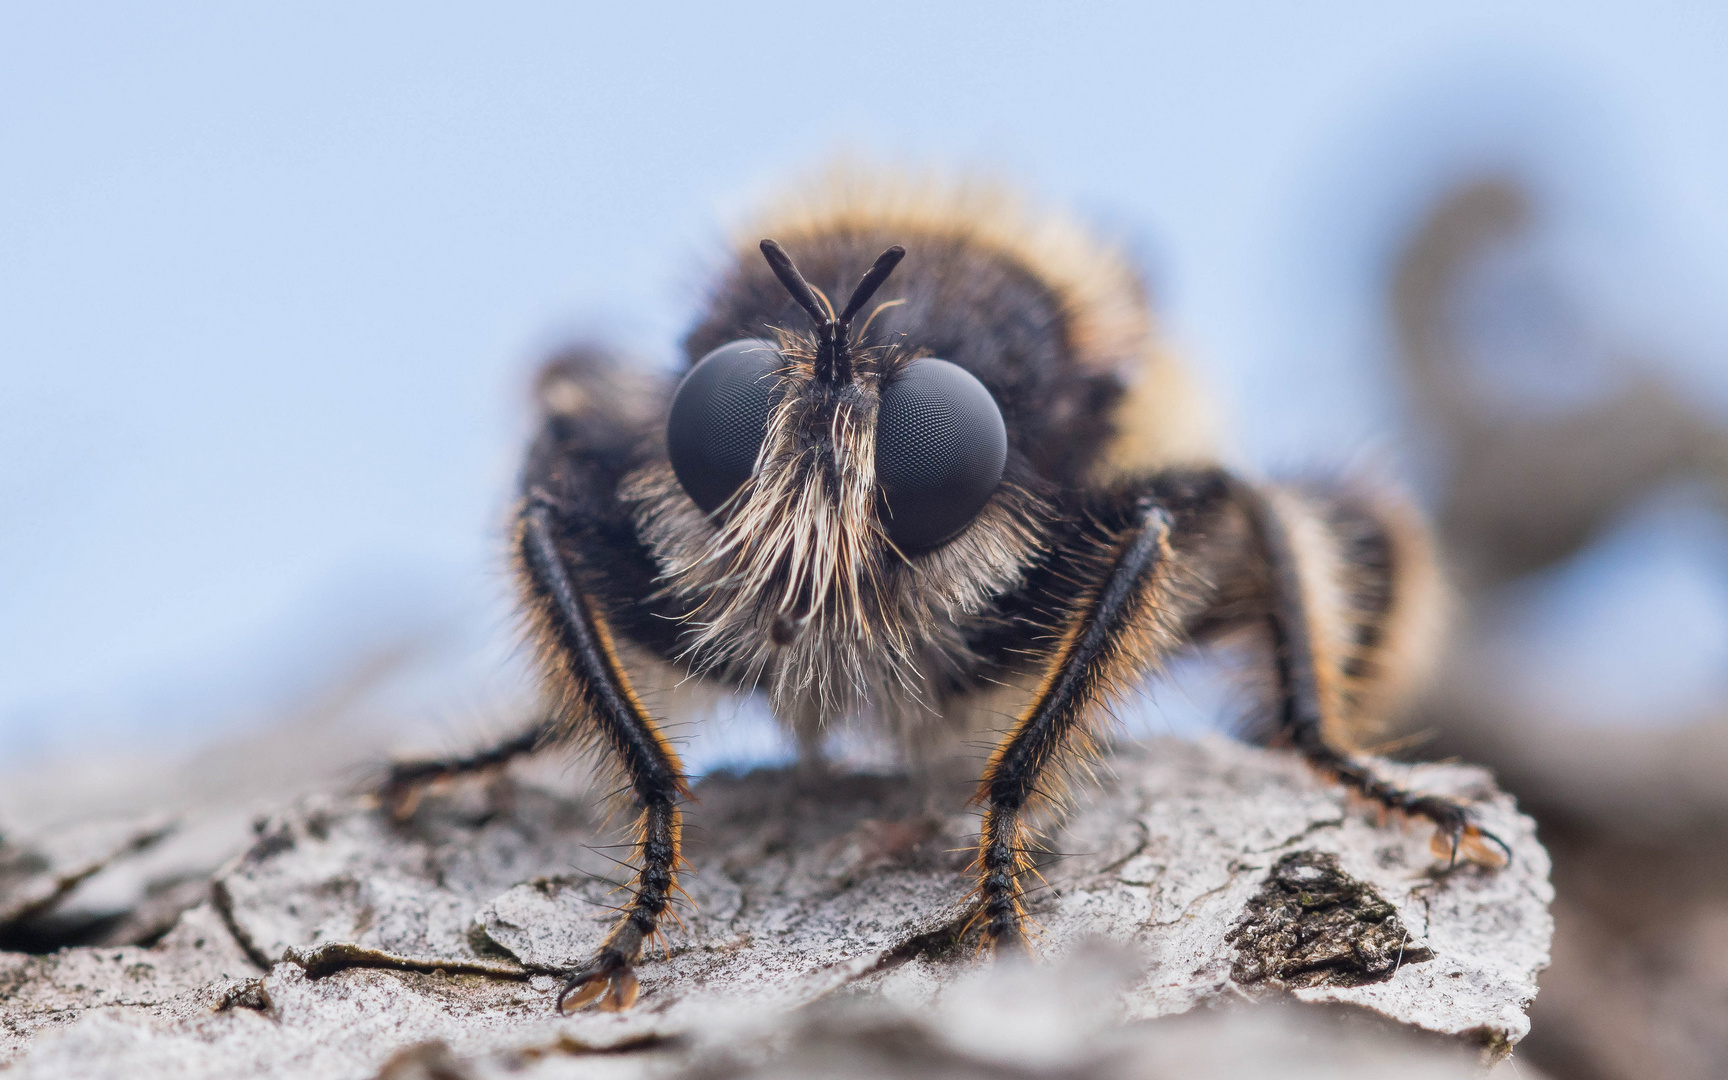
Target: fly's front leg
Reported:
[(596, 703), (1333, 619), (1118, 629)]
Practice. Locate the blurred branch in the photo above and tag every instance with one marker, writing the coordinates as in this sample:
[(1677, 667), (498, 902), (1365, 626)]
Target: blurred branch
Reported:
[(1527, 489), (1634, 816)]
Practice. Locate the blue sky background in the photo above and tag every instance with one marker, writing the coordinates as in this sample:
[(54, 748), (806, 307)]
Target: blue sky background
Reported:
[(272, 278)]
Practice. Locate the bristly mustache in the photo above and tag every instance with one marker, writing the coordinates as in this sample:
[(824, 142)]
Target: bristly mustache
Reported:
[(803, 524), (794, 587), (798, 548)]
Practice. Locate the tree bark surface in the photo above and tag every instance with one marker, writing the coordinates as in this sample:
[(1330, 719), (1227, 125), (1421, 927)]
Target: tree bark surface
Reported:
[(826, 932)]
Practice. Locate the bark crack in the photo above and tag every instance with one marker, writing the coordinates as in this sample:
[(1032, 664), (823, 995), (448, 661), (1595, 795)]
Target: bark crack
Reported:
[(223, 901), (327, 958)]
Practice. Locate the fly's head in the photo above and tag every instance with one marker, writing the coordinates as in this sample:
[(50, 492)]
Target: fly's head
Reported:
[(832, 511)]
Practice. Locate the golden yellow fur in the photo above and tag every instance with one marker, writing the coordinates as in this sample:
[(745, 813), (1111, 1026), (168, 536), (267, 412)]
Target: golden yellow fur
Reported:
[(1163, 419)]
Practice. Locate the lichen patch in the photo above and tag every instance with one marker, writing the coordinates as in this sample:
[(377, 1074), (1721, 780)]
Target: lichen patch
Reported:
[(1311, 924)]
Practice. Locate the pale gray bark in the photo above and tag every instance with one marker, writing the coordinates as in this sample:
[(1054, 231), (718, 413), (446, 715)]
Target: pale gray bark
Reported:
[(824, 936)]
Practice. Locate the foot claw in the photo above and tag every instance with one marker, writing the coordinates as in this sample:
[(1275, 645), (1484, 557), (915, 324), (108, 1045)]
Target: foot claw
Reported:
[(407, 782), (1469, 841), (611, 983), (1456, 833)]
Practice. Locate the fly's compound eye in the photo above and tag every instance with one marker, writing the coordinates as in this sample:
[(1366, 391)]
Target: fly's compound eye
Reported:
[(719, 418), (940, 450)]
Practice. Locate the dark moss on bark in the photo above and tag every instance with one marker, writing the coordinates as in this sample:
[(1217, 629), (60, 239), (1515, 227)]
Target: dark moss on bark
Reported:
[(1311, 924)]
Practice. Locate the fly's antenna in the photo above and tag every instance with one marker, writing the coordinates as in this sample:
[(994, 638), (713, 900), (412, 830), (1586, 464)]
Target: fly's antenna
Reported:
[(833, 347)]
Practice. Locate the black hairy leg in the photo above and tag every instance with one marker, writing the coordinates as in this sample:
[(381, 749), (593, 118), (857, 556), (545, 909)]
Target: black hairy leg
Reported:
[(1182, 558), (596, 704), (1116, 630), (1314, 676), (407, 780)]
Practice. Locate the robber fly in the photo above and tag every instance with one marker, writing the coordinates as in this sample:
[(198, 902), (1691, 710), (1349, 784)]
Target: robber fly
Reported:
[(927, 452)]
